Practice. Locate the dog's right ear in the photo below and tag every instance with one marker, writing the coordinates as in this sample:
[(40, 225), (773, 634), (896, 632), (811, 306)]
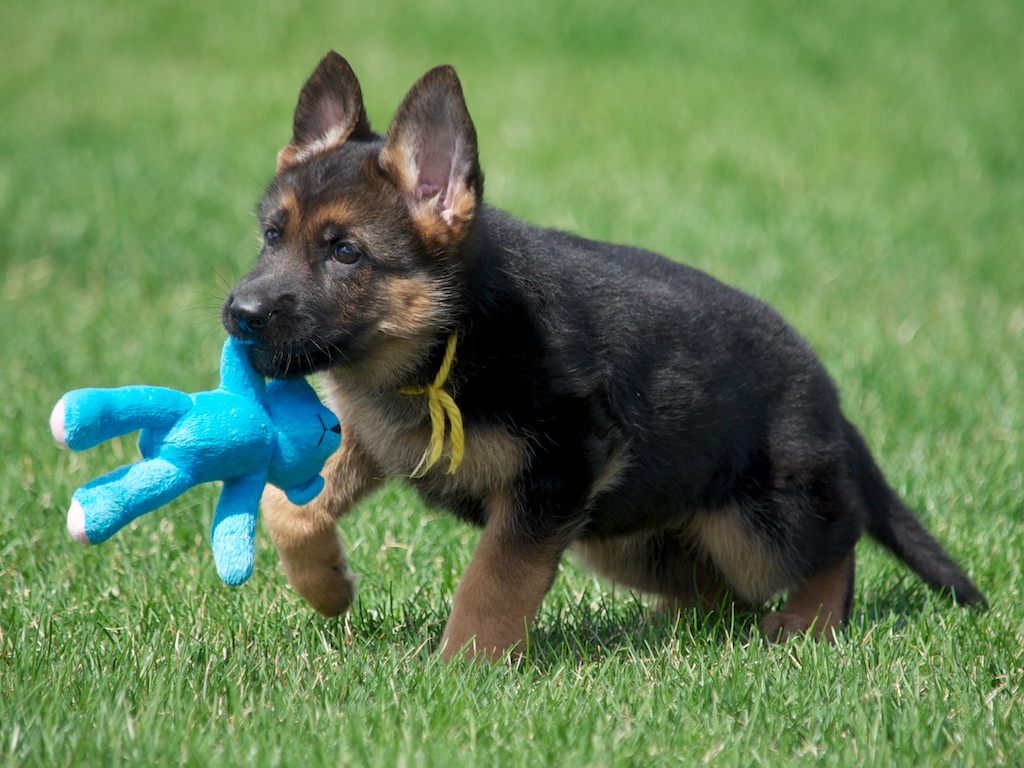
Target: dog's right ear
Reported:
[(330, 112)]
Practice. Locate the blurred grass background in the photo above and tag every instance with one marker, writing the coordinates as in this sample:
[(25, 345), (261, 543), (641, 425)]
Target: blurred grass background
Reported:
[(859, 165)]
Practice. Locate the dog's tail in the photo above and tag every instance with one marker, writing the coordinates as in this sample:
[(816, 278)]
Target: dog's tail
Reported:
[(895, 526)]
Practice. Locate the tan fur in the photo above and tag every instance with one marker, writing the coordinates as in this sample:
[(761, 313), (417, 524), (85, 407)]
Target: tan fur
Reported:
[(662, 562), (623, 559), (337, 213), (448, 228), (388, 367), (410, 311), (306, 537), (333, 138), (493, 459), (441, 219), (394, 431), (288, 202), (612, 473), (287, 157), (500, 592), (413, 306), (398, 158), (817, 604), (754, 571)]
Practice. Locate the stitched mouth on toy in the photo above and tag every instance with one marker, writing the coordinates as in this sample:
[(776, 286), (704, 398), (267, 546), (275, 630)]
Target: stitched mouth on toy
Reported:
[(336, 429)]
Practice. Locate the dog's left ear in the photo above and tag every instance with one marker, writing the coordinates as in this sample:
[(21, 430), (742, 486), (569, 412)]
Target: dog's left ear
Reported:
[(430, 154)]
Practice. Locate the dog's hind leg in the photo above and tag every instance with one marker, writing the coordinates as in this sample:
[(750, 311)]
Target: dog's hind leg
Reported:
[(819, 604), (307, 538), (796, 537)]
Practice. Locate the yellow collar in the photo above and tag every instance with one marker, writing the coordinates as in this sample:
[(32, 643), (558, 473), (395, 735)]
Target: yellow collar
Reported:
[(441, 405)]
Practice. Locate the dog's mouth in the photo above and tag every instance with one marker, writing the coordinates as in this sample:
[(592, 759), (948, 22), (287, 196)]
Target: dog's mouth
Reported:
[(284, 341), (294, 361)]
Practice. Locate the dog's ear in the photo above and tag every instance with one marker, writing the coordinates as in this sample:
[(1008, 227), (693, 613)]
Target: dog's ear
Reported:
[(330, 112), (430, 154)]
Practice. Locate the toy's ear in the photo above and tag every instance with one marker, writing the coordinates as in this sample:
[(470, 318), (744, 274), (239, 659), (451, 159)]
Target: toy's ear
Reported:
[(237, 375)]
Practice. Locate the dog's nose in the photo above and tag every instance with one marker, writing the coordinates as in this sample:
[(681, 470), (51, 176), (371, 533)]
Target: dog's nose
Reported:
[(251, 315)]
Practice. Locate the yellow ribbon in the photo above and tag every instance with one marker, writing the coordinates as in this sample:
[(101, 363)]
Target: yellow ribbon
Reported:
[(441, 405)]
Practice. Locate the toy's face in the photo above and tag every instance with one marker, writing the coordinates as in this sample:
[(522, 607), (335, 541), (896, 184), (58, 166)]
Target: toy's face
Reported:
[(307, 432)]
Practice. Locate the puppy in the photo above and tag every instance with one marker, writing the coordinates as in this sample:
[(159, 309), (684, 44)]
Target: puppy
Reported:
[(555, 391)]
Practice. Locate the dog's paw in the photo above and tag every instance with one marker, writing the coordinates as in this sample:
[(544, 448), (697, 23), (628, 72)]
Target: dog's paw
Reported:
[(779, 627), (330, 589)]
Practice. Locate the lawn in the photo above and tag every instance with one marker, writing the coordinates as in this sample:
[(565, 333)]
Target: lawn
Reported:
[(858, 165)]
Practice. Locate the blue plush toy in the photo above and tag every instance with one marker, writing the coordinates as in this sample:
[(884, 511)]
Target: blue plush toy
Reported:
[(246, 433)]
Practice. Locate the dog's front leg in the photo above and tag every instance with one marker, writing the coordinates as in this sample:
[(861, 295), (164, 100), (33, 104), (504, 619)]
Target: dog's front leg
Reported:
[(501, 590), (307, 538)]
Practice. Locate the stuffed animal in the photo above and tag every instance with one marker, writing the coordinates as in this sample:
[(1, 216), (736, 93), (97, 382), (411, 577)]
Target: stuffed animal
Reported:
[(246, 433)]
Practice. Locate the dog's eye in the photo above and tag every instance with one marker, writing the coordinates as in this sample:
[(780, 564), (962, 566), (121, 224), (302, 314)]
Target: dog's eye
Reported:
[(345, 253), (271, 235)]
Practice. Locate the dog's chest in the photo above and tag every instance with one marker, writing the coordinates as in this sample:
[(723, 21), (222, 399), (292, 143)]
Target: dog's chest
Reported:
[(395, 431)]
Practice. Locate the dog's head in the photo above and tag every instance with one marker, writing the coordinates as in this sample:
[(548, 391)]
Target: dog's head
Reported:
[(363, 235)]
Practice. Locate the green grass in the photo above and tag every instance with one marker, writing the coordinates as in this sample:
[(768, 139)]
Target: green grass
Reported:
[(859, 165)]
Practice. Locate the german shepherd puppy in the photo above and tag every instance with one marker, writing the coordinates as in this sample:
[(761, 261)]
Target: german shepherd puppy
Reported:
[(558, 392)]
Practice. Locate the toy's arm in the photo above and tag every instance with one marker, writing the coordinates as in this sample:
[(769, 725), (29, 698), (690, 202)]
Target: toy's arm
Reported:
[(237, 375), (86, 417), (233, 537)]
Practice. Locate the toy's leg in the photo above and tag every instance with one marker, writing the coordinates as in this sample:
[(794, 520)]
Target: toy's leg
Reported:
[(101, 508), (86, 417), (306, 537), (233, 536)]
